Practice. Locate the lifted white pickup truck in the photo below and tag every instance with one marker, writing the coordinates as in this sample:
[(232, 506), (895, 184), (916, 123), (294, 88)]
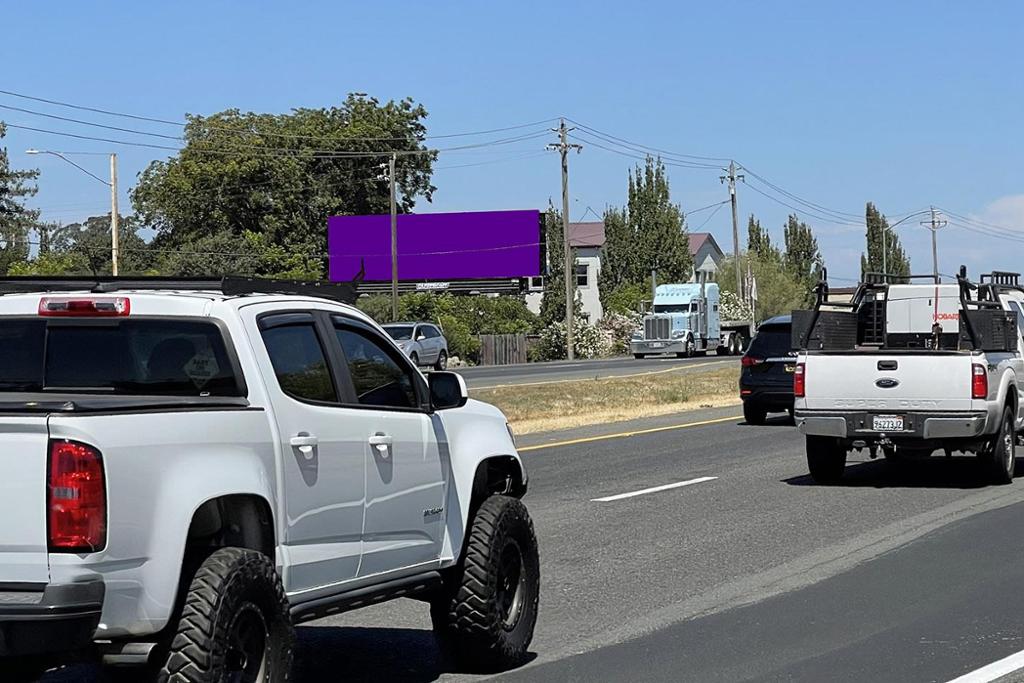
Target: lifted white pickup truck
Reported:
[(908, 369), (190, 469)]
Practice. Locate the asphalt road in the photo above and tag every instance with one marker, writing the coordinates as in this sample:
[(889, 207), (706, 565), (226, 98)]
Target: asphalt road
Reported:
[(750, 573), (484, 376), (901, 575)]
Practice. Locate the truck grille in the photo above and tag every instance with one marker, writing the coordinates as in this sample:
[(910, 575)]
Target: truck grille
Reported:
[(656, 328)]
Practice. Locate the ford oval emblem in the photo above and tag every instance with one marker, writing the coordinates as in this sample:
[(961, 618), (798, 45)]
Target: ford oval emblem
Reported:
[(887, 382)]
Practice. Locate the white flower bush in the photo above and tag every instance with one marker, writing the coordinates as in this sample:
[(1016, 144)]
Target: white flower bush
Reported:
[(731, 308), (588, 342), (617, 329)]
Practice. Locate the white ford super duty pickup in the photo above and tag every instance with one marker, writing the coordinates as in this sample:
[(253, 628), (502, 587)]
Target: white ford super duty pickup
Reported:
[(908, 369), (191, 469)]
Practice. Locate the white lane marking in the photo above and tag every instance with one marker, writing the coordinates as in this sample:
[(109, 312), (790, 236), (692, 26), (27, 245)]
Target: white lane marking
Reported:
[(653, 489), (993, 671)]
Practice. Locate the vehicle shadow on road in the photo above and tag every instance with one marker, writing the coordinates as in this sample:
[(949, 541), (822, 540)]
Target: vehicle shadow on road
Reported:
[(936, 473), (331, 653), (780, 420)]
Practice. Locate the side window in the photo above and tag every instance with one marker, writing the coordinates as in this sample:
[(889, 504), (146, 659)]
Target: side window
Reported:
[(431, 331), (299, 360), (582, 275), (378, 378)]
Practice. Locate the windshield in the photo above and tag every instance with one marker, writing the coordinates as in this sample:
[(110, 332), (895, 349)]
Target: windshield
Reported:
[(137, 357), (399, 332), (674, 308), (771, 341)]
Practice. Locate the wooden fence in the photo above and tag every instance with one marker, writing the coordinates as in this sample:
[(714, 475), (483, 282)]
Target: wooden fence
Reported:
[(502, 349)]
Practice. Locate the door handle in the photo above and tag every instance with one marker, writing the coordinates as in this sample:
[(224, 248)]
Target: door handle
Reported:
[(382, 442), (304, 441)]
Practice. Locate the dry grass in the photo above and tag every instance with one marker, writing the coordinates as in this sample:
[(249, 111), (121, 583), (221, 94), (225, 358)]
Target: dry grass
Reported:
[(577, 403)]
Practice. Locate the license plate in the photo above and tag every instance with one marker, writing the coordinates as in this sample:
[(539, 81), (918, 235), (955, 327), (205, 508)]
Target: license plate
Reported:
[(887, 423), (657, 345), (790, 367)]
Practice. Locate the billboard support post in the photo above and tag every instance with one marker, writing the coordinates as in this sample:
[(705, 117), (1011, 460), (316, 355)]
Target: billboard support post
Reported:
[(394, 240)]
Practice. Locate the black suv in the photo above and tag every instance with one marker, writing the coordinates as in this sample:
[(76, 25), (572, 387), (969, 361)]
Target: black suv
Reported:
[(766, 380)]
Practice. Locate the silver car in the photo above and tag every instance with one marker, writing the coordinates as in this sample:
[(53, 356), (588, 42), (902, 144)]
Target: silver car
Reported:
[(424, 343)]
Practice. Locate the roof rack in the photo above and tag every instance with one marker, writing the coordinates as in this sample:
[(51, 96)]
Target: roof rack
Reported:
[(344, 292)]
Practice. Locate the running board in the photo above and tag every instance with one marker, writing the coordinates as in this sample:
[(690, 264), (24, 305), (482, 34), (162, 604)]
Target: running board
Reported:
[(408, 587)]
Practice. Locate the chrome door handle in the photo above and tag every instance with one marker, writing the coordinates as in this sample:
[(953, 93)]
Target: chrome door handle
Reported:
[(382, 442)]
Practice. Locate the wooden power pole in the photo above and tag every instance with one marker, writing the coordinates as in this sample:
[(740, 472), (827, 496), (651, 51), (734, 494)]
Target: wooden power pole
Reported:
[(115, 237), (732, 178), (564, 146)]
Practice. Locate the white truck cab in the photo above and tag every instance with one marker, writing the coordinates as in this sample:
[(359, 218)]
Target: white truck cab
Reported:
[(187, 460)]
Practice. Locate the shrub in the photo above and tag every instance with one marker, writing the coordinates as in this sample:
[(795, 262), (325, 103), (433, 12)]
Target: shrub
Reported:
[(617, 329), (588, 342), (627, 298)]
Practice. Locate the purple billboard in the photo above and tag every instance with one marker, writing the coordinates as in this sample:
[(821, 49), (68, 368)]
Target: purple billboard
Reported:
[(437, 246)]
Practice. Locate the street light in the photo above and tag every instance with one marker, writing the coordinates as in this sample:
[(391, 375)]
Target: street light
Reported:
[(114, 236)]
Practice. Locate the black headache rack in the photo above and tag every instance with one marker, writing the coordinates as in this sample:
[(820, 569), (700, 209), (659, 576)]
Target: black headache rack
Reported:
[(861, 322), (344, 292)]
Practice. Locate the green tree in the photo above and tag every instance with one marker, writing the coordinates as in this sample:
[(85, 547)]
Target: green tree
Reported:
[(759, 243), (282, 175), (802, 259), (552, 306), (648, 234), (778, 292), (896, 260), (15, 218), (91, 240)]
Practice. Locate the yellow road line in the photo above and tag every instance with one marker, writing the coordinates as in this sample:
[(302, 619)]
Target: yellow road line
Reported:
[(590, 379), (619, 435)]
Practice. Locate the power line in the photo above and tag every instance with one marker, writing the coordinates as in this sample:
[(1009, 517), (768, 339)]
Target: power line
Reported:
[(294, 136), (718, 207), (652, 149)]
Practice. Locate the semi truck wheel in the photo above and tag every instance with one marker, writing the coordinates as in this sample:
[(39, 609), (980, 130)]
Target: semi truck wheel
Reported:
[(1000, 458), (235, 624), (826, 459), (485, 615)]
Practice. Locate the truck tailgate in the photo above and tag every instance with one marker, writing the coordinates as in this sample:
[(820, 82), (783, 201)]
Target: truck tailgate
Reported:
[(23, 461), (884, 382)]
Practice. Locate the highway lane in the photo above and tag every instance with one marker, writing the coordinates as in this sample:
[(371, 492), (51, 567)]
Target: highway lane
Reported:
[(615, 571), (500, 375), (695, 576)]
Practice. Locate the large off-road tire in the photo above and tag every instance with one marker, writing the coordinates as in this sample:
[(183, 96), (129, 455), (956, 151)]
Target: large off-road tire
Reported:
[(235, 624), (754, 413), (826, 459), (1000, 458), (485, 615), (442, 360)]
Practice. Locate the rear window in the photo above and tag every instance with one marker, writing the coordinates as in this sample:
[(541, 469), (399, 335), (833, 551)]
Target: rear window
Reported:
[(771, 341), (139, 357)]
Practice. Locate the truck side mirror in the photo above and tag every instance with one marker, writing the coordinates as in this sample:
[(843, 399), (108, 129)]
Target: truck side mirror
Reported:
[(447, 390)]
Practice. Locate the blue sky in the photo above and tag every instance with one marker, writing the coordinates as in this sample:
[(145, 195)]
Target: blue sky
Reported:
[(904, 104)]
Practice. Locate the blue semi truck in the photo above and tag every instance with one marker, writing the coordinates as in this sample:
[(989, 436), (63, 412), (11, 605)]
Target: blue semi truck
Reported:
[(685, 320)]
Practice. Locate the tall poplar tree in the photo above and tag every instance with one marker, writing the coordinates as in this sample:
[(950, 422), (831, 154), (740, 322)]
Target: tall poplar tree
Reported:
[(896, 260), (15, 218)]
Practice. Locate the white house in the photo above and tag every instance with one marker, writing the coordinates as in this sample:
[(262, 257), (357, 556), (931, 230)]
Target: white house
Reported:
[(587, 241)]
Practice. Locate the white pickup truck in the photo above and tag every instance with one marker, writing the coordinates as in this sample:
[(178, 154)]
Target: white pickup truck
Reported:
[(908, 369), (189, 469)]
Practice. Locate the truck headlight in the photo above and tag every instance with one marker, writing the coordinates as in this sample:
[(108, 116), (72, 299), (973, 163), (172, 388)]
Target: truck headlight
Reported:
[(678, 334), (637, 335)]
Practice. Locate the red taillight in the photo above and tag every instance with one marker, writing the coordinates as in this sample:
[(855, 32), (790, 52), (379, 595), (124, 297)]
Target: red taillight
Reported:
[(109, 306), (748, 361), (76, 498), (979, 381), (800, 380)]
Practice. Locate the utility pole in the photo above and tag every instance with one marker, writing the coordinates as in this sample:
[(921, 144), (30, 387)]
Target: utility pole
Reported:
[(732, 178), (115, 238), (934, 224), (564, 146), (394, 239)]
